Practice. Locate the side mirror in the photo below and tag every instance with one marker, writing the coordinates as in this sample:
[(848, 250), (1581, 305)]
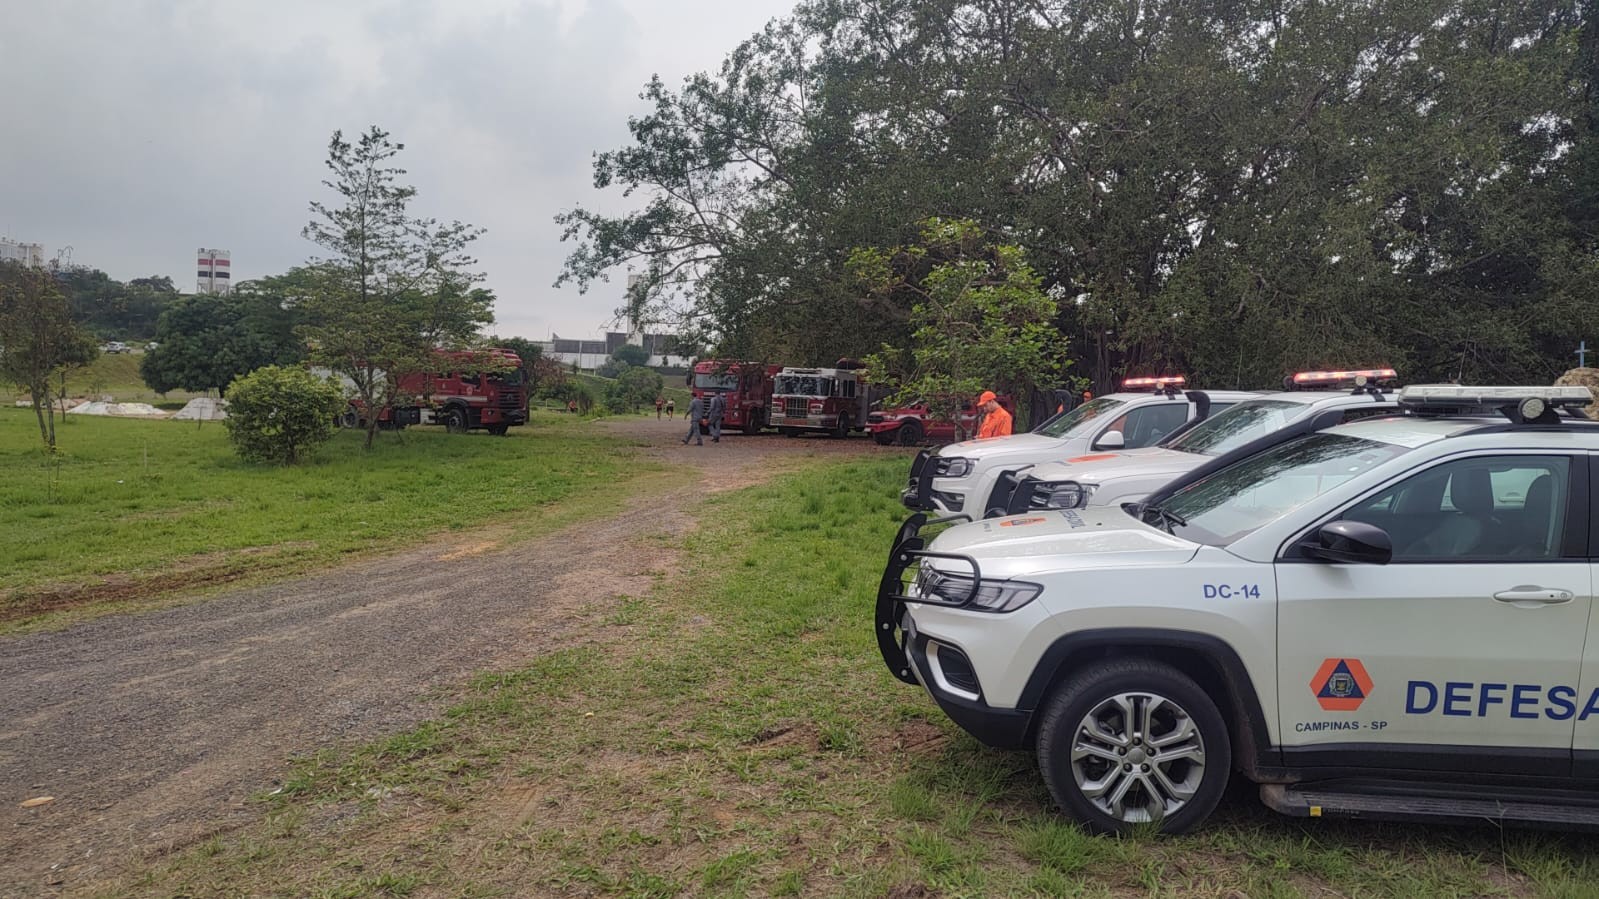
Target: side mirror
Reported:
[(1111, 440), (1351, 541)]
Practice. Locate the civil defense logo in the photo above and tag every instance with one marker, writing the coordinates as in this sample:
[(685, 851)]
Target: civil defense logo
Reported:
[(1341, 685)]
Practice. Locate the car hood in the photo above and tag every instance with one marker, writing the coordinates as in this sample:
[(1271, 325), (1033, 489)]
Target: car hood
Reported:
[(1028, 444), (1096, 468), (1097, 537)]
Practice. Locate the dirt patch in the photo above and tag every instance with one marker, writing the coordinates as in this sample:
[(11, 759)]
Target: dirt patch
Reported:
[(153, 731), (205, 569)]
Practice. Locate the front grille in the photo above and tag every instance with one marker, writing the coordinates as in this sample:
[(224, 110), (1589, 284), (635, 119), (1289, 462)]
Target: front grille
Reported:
[(508, 401), (795, 407)]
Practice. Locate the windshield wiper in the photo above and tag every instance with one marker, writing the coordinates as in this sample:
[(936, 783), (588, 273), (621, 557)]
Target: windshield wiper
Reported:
[(1163, 517)]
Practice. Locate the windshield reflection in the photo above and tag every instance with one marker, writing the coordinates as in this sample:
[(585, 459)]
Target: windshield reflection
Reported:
[(1235, 427), (1087, 412), (1243, 498)]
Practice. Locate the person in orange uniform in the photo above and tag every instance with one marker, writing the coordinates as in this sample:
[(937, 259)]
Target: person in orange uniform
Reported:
[(996, 421)]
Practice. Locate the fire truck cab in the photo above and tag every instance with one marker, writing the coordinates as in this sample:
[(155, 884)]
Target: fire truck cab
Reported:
[(828, 400), (746, 388)]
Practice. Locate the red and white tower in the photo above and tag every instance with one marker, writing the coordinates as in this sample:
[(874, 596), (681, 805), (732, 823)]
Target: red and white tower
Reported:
[(213, 274)]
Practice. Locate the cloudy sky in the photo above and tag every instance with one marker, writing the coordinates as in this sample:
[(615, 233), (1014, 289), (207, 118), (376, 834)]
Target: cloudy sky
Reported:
[(139, 130)]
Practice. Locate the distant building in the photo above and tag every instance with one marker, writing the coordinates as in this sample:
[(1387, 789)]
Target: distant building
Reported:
[(665, 350), (213, 275), (30, 254)]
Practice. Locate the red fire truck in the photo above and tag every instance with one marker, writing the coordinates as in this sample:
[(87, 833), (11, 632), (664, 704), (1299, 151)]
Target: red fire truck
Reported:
[(746, 387), (830, 400), (916, 423), (485, 389)]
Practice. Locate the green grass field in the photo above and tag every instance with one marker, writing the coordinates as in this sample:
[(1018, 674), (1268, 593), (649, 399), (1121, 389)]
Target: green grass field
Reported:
[(735, 734), (129, 507), (117, 377)]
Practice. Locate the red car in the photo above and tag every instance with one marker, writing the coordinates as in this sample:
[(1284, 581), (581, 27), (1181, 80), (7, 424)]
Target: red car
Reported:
[(914, 424)]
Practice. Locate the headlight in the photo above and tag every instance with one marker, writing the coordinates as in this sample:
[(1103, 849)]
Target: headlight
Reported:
[(1062, 495), (953, 467), (991, 595)]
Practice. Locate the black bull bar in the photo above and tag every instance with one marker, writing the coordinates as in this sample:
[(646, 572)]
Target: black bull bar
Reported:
[(1012, 494), (918, 493), (908, 550)]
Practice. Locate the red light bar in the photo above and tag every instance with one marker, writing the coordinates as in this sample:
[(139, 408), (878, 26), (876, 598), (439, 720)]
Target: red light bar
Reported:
[(1160, 381), (1328, 377)]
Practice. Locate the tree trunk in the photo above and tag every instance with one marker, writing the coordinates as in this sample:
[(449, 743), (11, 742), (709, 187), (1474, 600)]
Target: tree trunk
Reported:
[(38, 410)]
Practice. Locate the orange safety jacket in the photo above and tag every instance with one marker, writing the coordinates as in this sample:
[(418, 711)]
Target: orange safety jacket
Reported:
[(995, 424)]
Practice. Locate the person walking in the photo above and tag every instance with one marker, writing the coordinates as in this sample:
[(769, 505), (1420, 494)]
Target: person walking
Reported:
[(996, 421), (715, 413), (696, 409), (671, 409), (660, 403)]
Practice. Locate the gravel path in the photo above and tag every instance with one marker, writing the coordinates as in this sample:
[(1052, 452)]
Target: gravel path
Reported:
[(153, 730)]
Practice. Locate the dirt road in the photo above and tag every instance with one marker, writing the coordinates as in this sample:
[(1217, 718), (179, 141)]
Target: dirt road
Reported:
[(153, 730)]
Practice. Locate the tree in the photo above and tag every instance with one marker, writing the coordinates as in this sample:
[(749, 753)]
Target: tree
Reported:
[(38, 339), (281, 414), (112, 309), (394, 289), (631, 354), (634, 387), (204, 342), (1236, 189), (981, 320)]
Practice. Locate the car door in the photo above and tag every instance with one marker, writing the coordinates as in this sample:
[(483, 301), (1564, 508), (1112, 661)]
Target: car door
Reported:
[(1585, 743), (1465, 650), (1144, 425)]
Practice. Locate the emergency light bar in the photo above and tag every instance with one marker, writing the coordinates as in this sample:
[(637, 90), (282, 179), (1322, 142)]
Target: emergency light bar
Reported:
[(1455, 395), (1161, 381), (1335, 377)]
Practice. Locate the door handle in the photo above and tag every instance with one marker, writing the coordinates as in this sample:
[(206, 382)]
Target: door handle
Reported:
[(1533, 595)]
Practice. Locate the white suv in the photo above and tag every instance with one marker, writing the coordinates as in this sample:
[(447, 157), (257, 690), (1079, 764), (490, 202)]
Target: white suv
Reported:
[(1385, 618), (958, 478), (1110, 478)]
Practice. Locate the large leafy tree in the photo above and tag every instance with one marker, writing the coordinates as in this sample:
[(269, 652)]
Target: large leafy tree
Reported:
[(1237, 189), (205, 342), (393, 288), (113, 309), (39, 339), (980, 316)]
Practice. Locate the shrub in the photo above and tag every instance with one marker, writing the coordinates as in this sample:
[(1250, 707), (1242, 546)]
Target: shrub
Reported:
[(280, 414), (634, 387)]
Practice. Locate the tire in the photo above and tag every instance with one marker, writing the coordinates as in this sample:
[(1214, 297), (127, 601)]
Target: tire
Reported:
[(455, 420), (350, 419), (752, 422), (499, 430), (789, 432), (910, 433), (1185, 776)]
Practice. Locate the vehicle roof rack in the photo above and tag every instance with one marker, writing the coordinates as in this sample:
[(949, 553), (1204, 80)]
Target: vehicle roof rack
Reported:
[(1521, 405)]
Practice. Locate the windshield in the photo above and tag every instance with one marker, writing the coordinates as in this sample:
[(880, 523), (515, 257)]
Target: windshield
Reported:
[(803, 385), (512, 378), (1245, 497), (1087, 412), (1237, 426), (716, 382)]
